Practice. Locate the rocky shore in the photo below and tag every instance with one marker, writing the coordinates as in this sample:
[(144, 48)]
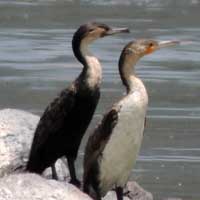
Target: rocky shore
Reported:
[(16, 133)]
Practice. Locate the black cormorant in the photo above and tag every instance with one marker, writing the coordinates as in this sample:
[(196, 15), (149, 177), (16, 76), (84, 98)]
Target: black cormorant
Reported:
[(66, 119)]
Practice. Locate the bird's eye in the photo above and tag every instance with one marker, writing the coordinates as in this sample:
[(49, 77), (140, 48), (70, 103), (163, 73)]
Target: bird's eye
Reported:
[(129, 51), (151, 44), (91, 30)]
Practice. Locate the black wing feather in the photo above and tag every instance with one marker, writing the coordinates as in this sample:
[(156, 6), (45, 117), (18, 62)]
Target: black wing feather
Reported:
[(53, 118), (97, 141)]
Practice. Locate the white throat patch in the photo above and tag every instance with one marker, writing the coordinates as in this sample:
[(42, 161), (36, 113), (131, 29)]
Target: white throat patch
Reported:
[(94, 70)]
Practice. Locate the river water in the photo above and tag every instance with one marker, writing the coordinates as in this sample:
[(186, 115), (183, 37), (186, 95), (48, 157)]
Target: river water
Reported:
[(36, 62)]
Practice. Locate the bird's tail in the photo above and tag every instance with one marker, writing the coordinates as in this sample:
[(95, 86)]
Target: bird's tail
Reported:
[(34, 165)]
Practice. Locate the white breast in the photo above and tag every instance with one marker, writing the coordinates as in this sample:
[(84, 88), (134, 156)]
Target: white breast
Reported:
[(123, 146), (94, 71)]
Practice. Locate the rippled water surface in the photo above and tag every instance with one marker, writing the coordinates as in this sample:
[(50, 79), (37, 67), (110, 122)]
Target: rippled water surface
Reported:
[(36, 62)]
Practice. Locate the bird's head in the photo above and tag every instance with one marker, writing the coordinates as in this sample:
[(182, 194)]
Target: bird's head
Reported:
[(93, 30), (136, 49), (88, 33), (144, 47)]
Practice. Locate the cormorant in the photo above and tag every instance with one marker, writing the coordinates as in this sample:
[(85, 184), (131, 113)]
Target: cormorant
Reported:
[(65, 120), (112, 148)]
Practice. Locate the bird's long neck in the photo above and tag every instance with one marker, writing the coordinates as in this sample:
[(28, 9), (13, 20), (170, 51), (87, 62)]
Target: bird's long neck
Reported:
[(127, 73), (91, 74)]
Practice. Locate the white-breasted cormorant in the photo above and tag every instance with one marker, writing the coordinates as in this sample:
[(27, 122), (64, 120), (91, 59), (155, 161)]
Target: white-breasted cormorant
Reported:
[(66, 119), (112, 149)]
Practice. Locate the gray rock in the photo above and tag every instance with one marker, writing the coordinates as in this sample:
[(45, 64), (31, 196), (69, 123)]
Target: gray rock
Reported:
[(133, 192), (16, 132), (34, 187)]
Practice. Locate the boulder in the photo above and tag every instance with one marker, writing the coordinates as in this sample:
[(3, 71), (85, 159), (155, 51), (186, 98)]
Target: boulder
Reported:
[(135, 192), (25, 186), (34, 187), (132, 192), (16, 133)]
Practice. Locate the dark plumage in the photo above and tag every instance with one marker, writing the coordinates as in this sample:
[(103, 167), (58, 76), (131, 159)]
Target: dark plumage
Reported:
[(66, 119)]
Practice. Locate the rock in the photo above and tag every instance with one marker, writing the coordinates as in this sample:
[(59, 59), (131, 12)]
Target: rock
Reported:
[(16, 132), (132, 192), (61, 169), (34, 187), (135, 192)]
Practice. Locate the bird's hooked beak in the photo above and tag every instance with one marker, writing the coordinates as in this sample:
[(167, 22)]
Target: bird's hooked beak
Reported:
[(116, 31), (160, 45), (168, 43)]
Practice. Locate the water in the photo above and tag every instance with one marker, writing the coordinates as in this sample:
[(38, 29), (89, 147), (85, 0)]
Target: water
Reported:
[(36, 62)]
